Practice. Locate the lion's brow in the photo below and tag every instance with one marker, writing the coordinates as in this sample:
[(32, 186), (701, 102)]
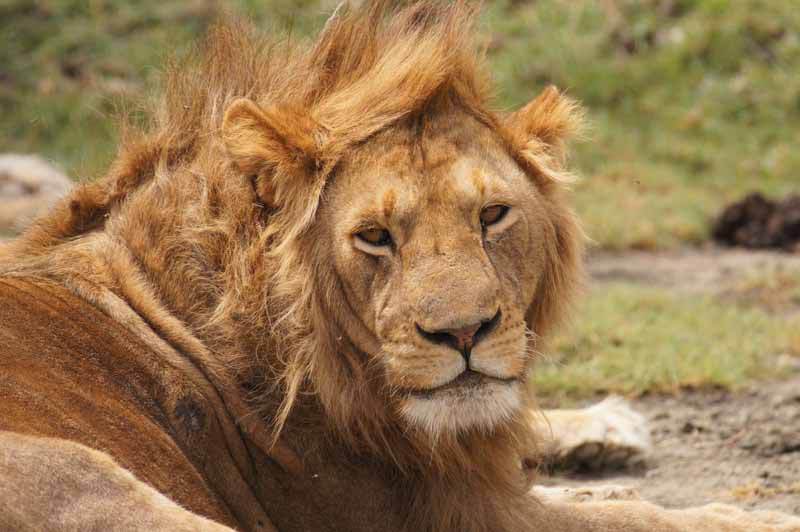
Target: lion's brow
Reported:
[(389, 201)]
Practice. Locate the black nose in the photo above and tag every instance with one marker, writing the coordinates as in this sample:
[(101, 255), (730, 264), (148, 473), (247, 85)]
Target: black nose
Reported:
[(462, 339)]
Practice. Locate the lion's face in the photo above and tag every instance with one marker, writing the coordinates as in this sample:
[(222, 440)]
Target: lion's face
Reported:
[(437, 240), (427, 240)]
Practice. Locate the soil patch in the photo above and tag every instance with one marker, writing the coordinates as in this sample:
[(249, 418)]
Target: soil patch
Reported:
[(741, 448), (709, 269)]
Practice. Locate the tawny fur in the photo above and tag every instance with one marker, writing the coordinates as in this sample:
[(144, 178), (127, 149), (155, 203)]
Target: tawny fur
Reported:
[(209, 240)]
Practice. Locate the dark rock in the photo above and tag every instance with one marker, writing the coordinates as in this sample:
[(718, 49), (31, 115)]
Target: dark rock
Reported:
[(29, 185), (761, 223)]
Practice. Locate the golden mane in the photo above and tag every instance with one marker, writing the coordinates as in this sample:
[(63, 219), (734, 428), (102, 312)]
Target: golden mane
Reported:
[(259, 292)]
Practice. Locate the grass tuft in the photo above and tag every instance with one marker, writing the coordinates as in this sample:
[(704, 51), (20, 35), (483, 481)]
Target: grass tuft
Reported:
[(634, 339)]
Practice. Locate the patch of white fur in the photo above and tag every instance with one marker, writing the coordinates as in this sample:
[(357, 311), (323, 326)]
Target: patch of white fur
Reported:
[(462, 409), (462, 177), (619, 424), (371, 249)]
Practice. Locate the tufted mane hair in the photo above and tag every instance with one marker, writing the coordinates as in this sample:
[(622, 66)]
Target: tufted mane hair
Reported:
[(370, 67)]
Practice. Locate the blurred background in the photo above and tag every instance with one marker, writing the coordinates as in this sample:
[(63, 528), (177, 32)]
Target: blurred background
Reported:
[(692, 104)]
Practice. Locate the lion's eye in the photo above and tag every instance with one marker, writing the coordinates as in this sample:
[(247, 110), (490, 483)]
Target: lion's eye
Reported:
[(376, 237), (493, 214)]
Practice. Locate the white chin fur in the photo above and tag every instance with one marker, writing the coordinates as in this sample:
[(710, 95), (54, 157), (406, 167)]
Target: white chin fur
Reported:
[(459, 410)]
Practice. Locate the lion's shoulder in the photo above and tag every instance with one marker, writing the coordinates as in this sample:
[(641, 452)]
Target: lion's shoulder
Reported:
[(72, 373)]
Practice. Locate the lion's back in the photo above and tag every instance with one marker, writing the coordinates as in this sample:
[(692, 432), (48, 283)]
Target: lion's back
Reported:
[(68, 371)]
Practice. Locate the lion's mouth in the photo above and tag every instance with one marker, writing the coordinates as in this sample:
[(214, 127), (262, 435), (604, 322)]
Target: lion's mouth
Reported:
[(472, 399), (468, 380)]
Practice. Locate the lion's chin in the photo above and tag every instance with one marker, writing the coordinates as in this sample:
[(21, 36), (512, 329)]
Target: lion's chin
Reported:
[(467, 403)]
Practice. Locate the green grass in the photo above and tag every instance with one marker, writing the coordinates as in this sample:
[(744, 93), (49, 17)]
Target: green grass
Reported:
[(632, 339), (67, 67), (774, 288), (692, 103)]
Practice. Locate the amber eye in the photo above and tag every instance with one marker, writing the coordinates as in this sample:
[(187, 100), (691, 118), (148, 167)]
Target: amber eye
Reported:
[(376, 237), (493, 214)]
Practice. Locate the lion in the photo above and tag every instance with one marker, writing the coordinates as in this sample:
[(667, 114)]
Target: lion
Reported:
[(307, 296)]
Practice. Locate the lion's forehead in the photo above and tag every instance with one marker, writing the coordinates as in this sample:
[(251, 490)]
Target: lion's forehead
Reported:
[(443, 178)]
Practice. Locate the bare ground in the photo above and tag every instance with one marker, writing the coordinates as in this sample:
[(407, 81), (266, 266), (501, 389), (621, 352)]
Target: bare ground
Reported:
[(704, 270), (713, 445), (716, 446)]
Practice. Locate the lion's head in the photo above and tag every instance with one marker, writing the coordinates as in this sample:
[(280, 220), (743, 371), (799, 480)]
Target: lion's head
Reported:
[(440, 245)]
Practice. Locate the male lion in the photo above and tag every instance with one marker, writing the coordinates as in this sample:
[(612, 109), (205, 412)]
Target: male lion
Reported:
[(306, 298)]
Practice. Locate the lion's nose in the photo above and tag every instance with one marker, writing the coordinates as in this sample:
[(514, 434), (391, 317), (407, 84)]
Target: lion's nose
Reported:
[(462, 339)]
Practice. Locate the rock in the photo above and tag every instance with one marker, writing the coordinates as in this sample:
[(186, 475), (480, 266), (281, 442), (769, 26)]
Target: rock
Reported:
[(28, 186), (759, 222)]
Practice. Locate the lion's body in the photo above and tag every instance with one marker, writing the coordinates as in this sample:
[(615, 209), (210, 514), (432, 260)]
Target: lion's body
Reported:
[(71, 372), (309, 296)]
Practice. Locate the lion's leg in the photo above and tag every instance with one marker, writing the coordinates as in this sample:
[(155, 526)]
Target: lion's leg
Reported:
[(52, 484), (607, 434)]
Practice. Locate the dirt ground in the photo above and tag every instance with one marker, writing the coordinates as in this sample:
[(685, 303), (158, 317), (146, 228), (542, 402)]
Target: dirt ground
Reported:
[(709, 269), (741, 448)]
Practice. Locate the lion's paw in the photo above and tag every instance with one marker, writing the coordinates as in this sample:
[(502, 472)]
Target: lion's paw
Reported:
[(609, 434)]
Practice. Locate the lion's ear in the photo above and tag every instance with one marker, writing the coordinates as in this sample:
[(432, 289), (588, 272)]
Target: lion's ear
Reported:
[(269, 144), (547, 122)]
